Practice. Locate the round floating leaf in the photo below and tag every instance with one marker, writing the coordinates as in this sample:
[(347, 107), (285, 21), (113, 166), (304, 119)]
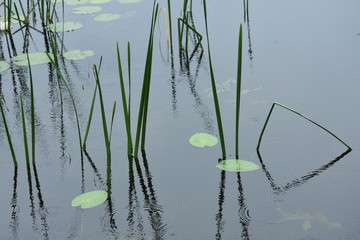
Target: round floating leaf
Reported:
[(86, 10), (90, 199), (99, 1), (78, 55), (34, 58), (203, 139), (75, 2), (236, 165), (107, 17), (129, 1), (4, 66), (64, 26)]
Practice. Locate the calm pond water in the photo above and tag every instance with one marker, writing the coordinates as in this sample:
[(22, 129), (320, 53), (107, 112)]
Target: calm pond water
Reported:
[(304, 55)]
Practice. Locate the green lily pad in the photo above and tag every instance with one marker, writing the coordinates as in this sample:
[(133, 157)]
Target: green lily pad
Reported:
[(75, 2), (129, 1), (236, 165), (90, 199), (86, 10), (99, 1), (78, 55), (203, 139), (107, 17), (64, 26), (4, 66), (34, 58)]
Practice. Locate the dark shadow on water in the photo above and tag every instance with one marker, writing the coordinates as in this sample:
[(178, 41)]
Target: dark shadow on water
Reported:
[(243, 212), (298, 181)]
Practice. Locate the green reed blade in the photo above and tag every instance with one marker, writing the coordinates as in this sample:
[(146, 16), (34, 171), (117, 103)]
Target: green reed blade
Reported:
[(170, 27), (213, 84), (292, 110), (26, 147), (126, 107), (148, 77), (103, 116), (112, 120), (90, 117), (32, 112), (238, 93), (141, 124), (129, 76), (8, 135)]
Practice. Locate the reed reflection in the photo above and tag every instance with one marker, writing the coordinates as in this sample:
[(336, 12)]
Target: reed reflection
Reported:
[(298, 181), (14, 223), (151, 205), (243, 212)]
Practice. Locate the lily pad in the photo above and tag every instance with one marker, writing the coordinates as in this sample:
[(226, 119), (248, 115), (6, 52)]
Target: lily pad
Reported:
[(99, 1), (4, 66), (107, 17), (34, 58), (203, 139), (236, 165), (78, 54), (64, 26), (90, 199), (86, 10), (129, 1), (76, 2)]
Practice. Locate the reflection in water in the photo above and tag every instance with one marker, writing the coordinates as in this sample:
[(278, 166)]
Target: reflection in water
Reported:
[(150, 200), (299, 181), (134, 215), (14, 223), (247, 21), (244, 217), (42, 209), (219, 215), (243, 211)]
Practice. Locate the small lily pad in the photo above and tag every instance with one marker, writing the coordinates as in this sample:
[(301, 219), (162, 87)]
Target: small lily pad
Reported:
[(236, 165), (203, 139), (78, 54), (107, 17), (4, 66), (99, 1), (86, 10), (129, 1), (64, 26), (34, 58), (75, 2), (90, 199)]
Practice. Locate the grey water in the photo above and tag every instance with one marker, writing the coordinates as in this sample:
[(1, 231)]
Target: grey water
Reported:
[(304, 55)]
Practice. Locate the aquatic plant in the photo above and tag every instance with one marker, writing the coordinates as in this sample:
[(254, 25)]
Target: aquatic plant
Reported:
[(90, 199), (238, 94), (299, 114), (203, 140), (213, 84)]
